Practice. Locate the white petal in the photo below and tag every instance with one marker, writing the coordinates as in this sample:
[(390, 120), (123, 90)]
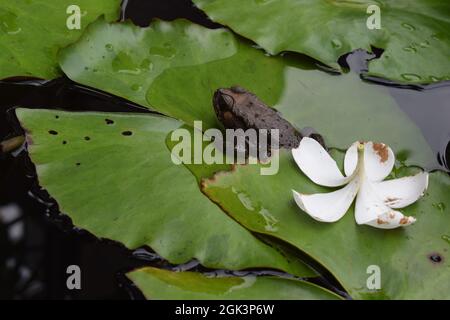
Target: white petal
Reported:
[(391, 220), (371, 210), (378, 160), (351, 159), (317, 164), (399, 193), (328, 207)]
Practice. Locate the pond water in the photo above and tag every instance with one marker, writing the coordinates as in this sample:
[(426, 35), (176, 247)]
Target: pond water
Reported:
[(36, 260)]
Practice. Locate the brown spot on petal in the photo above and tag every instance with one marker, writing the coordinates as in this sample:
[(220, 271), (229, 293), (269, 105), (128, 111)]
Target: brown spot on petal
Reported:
[(391, 215), (404, 220), (391, 200), (381, 221), (382, 151)]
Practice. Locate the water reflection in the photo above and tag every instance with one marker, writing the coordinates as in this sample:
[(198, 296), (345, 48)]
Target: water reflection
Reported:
[(430, 110), (427, 106)]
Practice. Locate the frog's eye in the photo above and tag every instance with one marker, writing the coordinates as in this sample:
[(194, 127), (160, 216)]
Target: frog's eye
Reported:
[(225, 101)]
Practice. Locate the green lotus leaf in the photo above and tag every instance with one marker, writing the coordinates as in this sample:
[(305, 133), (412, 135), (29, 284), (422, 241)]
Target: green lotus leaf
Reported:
[(112, 174), (414, 261), (414, 33), (200, 170), (163, 284), (32, 32), (124, 59), (181, 85)]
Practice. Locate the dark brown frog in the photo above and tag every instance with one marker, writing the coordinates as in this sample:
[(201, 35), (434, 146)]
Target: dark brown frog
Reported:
[(237, 108)]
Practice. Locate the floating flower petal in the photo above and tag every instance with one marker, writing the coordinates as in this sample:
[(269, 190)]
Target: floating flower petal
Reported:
[(317, 164), (328, 207), (365, 166)]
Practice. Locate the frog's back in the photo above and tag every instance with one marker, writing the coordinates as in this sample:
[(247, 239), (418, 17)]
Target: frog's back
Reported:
[(257, 115)]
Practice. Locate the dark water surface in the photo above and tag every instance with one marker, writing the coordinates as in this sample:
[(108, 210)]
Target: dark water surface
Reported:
[(38, 244)]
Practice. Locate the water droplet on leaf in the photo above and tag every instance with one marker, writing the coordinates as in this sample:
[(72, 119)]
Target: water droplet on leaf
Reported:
[(136, 87), (410, 49), (408, 26), (435, 79), (337, 44), (244, 199), (146, 64), (446, 238), (270, 220), (123, 63), (411, 77), (435, 37), (440, 206), (8, 22), (166, 51), (425, 44)]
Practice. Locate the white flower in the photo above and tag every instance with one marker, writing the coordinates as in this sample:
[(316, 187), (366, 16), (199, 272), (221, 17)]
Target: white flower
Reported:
[(366, 165)]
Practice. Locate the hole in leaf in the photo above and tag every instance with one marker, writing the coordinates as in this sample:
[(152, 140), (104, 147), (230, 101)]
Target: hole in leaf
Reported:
[(378, 52), (78, 163), (53, 132), (87, 138), (127, 133), (435, 258), (64, 142), (109, 121), (56, 117), (342, 61)]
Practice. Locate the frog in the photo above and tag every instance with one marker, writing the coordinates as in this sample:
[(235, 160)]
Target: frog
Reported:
[(238, 108)]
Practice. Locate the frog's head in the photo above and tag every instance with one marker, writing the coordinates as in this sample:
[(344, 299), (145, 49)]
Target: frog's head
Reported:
[(225, 99)]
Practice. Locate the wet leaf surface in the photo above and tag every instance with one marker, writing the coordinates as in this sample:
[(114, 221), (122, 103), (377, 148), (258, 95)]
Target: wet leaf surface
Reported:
[(32, 32), (414, 33), (129, 58), (342, 108), (112, 174), (87, 160)]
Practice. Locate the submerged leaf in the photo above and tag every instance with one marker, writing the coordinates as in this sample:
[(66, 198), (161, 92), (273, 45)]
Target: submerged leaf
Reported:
[(112, 174), (163, 284), (413, 33)]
